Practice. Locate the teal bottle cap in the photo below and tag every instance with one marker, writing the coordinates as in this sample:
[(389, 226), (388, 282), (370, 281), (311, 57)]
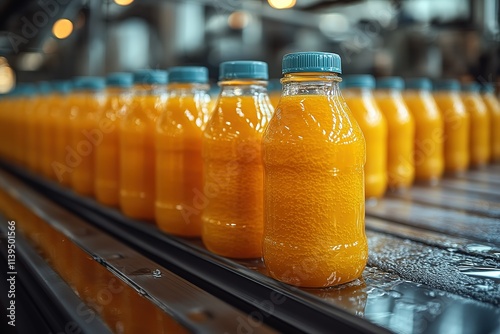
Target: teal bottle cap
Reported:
[(89, 83), (488, 88), (396, 83), (418, 83), (119, 79), (243, 69), (447, 84), (188, 74), (358, 81), (151, 77), (311, 62), (44, 87), (472, 87), (62, 86)]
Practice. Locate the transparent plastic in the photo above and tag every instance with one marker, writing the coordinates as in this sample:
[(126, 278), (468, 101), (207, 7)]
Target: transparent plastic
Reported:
[(233, 173), (314, 154), (179, 162)]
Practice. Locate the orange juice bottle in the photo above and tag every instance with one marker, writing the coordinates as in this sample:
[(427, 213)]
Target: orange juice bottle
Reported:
[(493, 106), (401, 132), (314, 153), (34, 127), (358, 95), (429, 127), (48, 127), (41, 116), (137, 144), (27, 111), (84, 133), (232, 199), (179, 164), (479, 126), (107, 155), (61, 157), (456, 125)]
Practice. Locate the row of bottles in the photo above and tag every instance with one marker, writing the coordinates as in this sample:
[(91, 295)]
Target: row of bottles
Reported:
[(286, 185), (414, 134)]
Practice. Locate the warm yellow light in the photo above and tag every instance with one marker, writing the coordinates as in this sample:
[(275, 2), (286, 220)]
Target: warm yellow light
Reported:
[(123, 2), (62, 28), (7, 78), (282, 4)]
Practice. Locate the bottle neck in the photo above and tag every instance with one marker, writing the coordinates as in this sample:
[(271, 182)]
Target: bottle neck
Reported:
[(230, 88), (149, 89), (311, 83), (187, 89)]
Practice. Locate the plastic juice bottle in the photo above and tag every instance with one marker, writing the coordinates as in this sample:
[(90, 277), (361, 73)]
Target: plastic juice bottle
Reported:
[(313, 145), (49, 127), (233, 173), (61, 133), (27, 111), (107, 158), (179, 164), (17, 139), (493, 106), (84, 133), (479, 125), (357, 93), (274, 88), (429, 127), (34, 140), (41, 133), (401, 132), (456, 125), (137, 144)]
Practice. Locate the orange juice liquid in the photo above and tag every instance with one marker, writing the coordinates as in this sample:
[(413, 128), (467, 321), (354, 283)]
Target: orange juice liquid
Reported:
[(62, 141), (401, 138), (493, 106), (47, 131), (479, 129), (137, 155), (35, 126), (429, 126), (84, 137), (374, 126), (232, 203), (179, 163), (456, 131), (314, 152), (107, 156)]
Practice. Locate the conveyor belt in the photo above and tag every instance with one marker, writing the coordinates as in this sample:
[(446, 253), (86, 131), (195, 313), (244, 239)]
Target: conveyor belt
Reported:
[(423, 273)]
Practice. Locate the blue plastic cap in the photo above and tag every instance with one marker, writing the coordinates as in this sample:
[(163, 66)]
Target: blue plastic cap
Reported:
[(188, 74), (274, 85), (62, 86), (151, 77), (30, 89), (358, 81), (89, 83), (44, 87), (419, 83), (119, 79), (488, 88), (311, 62), (472, 87), (243, 69), (390, 83), (447, 84)]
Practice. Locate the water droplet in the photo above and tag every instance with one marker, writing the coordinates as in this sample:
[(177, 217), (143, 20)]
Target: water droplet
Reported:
[(157, 273), (430, 293)]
